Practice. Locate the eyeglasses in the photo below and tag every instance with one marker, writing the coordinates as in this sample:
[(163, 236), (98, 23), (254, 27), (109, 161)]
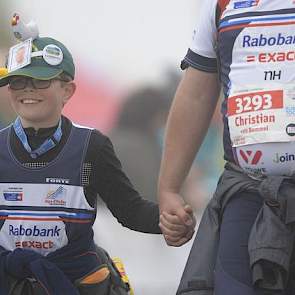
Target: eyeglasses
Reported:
[(20, 83)]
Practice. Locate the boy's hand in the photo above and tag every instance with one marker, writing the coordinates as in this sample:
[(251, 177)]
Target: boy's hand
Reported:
[(175, 232), (173, 204)]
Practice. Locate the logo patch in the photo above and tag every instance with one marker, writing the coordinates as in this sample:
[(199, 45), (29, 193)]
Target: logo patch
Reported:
[(33, 231), (34, 244), (57, 197), (13, 196), (57, 180), (251, 157), (246, 4), (52, 54), (267, 41), (290, 129), (290, 111)]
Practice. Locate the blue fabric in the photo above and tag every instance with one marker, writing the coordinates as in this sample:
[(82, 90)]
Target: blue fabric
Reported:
[(67, 165), (55, 272), (227, 284), (233, 274)]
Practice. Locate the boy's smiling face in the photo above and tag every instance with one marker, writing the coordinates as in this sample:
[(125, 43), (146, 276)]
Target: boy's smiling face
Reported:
[(41, 108)]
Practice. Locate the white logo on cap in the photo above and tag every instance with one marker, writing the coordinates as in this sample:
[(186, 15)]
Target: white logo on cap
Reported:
[(53, 55)]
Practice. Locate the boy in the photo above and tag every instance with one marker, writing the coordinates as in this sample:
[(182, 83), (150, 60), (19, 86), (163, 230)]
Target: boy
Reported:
[(51, 171)]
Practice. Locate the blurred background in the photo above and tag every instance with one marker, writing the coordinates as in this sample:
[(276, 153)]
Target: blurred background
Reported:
[(127, 57)]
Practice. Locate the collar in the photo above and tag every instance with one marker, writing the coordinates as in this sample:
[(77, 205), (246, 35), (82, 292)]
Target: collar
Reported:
[(47, 145)]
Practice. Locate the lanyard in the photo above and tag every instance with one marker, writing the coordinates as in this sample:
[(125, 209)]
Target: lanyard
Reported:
[(47, 145)]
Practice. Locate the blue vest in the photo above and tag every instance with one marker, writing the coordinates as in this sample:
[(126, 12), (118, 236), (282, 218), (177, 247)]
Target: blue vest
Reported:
[(44, 209)]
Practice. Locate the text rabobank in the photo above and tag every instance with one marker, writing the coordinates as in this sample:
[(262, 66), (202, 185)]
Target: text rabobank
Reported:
[(262, 40), (33, 231)]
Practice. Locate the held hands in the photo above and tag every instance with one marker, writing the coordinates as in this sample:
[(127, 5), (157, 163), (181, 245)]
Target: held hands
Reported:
[(175, 233), (177, 220)]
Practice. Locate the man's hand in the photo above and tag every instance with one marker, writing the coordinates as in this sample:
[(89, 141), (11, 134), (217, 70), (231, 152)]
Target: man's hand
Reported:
[(177, 220), (173, 204)]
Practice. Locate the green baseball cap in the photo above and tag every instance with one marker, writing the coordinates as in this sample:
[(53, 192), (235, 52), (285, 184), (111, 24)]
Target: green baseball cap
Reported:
[(49, 58)]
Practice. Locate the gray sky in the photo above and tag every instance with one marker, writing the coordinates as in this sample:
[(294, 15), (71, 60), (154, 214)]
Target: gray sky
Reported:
[(129, 41)]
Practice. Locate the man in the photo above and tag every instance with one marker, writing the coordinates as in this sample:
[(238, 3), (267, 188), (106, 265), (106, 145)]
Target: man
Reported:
[(247, 47)]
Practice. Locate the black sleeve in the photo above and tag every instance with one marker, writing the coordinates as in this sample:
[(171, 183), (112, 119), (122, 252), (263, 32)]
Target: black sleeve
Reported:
[(116, 190), (199, 62)]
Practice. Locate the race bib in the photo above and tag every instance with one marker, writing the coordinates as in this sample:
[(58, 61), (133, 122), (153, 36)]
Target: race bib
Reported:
[(262, 116)]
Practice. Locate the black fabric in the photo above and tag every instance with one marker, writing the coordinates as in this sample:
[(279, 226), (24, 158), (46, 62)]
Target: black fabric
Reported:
[(27, 287), (37, 137), (199, 62), (112, 285), (271, 239), (23, 263), (107, 178)]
